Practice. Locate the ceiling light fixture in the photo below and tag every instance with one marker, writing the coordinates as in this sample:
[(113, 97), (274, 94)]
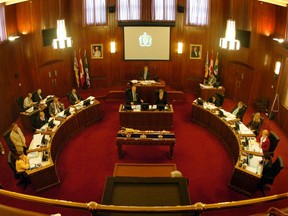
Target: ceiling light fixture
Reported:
[(62, 41)]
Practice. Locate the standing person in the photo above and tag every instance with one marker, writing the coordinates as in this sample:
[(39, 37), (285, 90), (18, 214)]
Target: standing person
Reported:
[(18, 138), (145, 75), (38, 96), (74, 97), (28, 102), (55, 107), (264, 141), (132, 97)]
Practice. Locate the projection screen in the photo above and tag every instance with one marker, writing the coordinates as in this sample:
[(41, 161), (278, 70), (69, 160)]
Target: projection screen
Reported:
[(146, 43)]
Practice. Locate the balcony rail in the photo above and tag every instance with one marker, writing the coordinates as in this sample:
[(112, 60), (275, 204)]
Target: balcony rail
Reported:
[(94, 207)]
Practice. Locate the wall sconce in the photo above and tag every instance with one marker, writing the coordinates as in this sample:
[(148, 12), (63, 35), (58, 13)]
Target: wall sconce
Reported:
[(113, 47), (180, 48), (277, 69), (13, 38)]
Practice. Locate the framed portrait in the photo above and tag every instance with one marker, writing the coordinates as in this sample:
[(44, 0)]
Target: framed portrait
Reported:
[(97, 51), (195, 51)]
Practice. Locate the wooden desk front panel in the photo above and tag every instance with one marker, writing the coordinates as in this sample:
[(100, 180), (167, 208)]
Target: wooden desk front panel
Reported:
[(46, 178), (243, 181), (147, 92), (206, 93), (146, 120)]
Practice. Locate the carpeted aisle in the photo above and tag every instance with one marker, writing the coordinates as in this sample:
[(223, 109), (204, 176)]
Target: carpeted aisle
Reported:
[(89, 158)]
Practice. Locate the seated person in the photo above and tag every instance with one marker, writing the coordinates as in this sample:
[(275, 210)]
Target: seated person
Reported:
[(38, 96), (18, 138), (255, 123), (211, 80), (144, 75), (238, 110), (267, 169), (28, 102), (214, 99), (132, 97), (55, 107), (74, 97), (264, 141), (22, 162), (161, 97), (41, 120)]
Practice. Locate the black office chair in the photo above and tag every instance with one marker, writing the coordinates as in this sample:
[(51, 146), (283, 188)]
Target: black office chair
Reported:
[(261, 104), (20, 102), (245, 109), (221, 98), (22, 177), (277, 166), (8, 141), (33, 119), (274, 140), (68, 96)]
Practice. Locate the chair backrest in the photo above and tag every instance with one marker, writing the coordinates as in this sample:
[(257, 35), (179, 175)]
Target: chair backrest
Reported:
[(277, 166), (221, 98), (68, 96), (8, 141), (33, 118), (20, 102), (274, 140), (11, 162)]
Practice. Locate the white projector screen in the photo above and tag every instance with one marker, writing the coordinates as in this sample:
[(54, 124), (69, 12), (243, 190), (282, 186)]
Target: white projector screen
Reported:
[(146, 43)]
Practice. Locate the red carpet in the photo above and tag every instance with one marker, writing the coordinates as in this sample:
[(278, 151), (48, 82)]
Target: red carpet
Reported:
[(89, 158)]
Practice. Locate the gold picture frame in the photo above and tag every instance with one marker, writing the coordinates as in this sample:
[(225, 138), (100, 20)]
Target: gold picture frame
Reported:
[(97, 51), (195, 51)]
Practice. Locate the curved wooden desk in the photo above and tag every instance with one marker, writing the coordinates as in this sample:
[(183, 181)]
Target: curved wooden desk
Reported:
[(46, 176), (242, 180)]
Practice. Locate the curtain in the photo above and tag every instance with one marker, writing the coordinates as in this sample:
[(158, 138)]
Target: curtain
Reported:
[(129, 10), (163, 10), (95, 12), (197, 12), (3, 33)]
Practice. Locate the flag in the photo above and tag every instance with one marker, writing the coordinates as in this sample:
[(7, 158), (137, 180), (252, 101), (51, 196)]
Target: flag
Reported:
[(81, 69), (206, 67), (211, 70), (76, 69), (216, 65), (86, 69)]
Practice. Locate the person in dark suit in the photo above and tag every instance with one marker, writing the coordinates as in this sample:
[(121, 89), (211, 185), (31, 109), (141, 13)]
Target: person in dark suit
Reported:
[(74, 97), (161, 97), (239, 110), (195, 52), (38, 96), (55, 107), (144, 75), (41, 120), (267, 169), (132, 97), (214, 99)]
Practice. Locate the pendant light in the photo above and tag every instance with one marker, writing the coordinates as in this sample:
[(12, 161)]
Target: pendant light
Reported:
[(62, 41)]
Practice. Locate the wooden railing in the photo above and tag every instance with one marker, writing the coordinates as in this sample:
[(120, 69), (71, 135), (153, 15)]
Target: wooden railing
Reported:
[(95, 208)]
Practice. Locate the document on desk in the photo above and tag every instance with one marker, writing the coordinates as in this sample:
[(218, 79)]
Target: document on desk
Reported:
[(30, 110), (243, 130), (36, 160), (205, 86), (90, 98), (36, 141), (209, 106), (254, 164), (254, 146)]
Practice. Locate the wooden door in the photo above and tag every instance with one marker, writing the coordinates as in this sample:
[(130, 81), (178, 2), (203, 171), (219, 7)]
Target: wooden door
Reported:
[(238, 81), (46, 80)]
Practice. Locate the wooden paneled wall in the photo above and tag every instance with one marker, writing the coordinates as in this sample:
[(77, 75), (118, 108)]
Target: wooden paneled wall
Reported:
[(34, 66)]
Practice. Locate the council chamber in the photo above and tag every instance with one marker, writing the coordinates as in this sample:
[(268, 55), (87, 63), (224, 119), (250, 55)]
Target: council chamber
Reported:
[(143, 107)]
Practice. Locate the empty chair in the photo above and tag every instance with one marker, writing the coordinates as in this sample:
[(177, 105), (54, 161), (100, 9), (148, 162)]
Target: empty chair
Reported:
[(22, 177), (274, 140), (261, 104)]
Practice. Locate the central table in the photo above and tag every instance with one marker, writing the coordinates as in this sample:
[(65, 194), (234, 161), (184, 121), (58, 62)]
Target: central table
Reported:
[(146, 138), (146, 120), (145, 191)]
